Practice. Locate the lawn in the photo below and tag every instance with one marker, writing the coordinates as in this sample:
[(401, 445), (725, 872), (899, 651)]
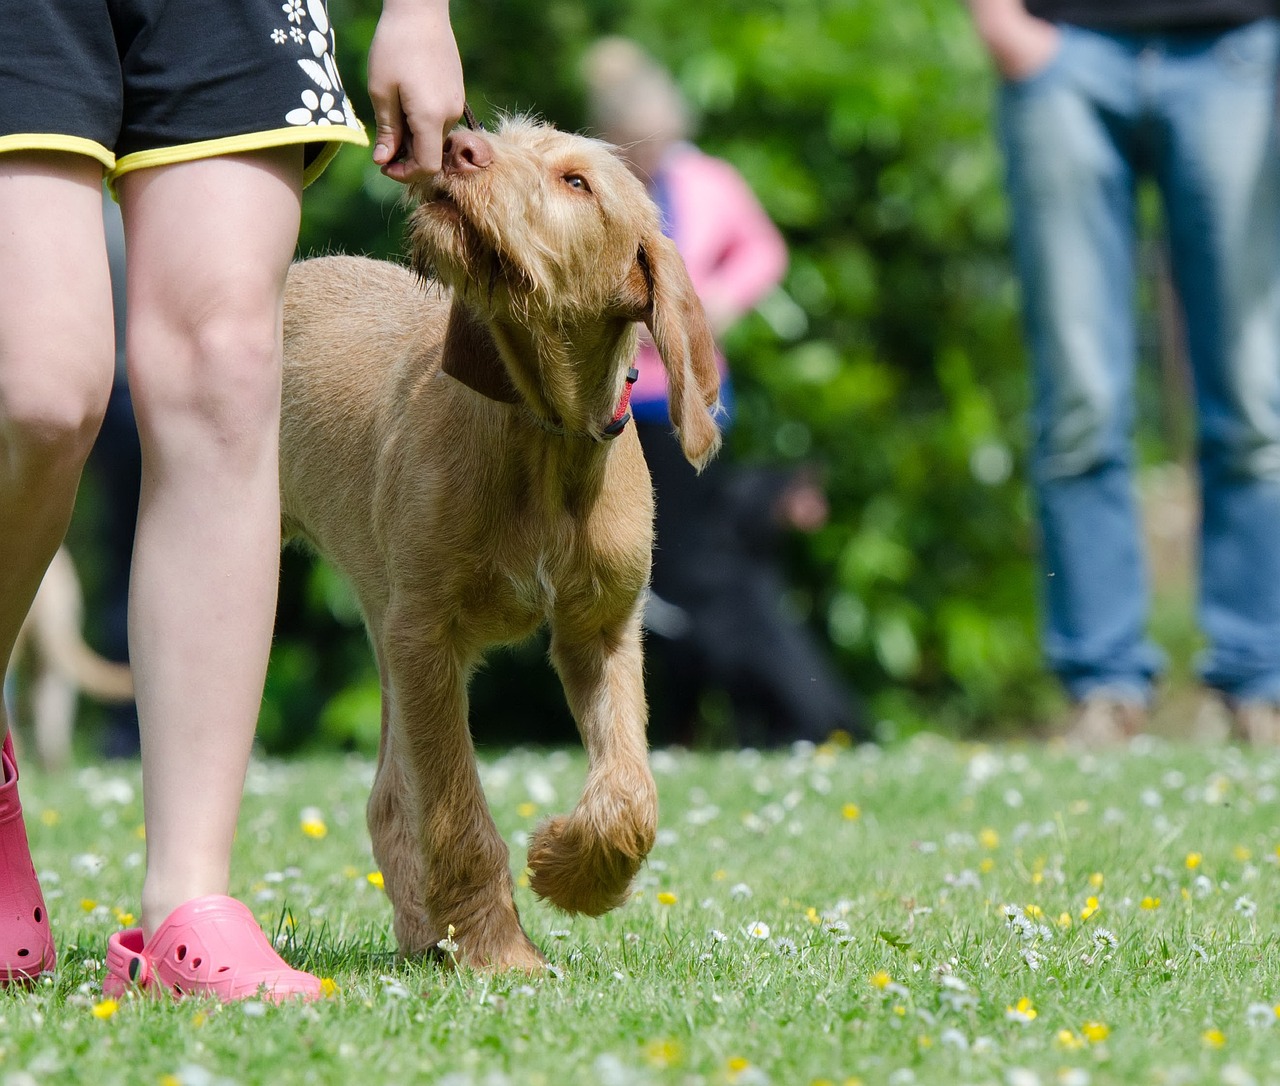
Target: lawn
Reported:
[(926, 913)]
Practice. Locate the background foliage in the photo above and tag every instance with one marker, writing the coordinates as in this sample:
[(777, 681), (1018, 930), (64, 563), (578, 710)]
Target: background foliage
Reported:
[(891, 357)]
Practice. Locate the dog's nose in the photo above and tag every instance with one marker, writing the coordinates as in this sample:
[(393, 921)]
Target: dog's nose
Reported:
[(464, 151)]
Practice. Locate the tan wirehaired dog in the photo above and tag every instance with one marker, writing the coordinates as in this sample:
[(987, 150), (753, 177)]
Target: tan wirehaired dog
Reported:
[(454, 440)]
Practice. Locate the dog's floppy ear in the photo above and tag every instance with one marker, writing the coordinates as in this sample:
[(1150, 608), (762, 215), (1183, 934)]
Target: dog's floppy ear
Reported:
[(670, 309)]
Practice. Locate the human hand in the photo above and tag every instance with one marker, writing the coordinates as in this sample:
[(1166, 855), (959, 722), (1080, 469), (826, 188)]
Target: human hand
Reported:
[(415, 82), (1020, 44), (803, 505)]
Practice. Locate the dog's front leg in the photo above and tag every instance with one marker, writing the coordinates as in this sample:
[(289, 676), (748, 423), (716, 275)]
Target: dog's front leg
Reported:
[(463, 864), (393, 832), (585, 862)]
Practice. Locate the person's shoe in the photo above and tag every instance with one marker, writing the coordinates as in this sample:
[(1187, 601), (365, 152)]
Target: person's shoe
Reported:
[(1105, 720), (211, 946), (26, 943), (1256, 722)]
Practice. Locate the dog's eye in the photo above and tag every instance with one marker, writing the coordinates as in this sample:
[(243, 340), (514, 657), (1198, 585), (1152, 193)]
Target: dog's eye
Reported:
[(577, 181)]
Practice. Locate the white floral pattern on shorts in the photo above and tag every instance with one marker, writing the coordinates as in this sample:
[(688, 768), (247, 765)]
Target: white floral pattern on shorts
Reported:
[(322, 101)]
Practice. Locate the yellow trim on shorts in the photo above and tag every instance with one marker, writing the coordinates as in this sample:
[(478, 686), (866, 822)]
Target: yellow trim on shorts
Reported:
[(47, 141), (332, 136)]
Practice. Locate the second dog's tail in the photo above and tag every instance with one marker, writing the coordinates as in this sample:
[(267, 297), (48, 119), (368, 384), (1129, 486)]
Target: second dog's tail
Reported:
[(55, 628)]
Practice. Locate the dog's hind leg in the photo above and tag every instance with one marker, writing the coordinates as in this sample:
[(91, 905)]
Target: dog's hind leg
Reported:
[(463, 861), (585, 862)]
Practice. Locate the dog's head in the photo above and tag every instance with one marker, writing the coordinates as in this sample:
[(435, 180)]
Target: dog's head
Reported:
[(549, 230)]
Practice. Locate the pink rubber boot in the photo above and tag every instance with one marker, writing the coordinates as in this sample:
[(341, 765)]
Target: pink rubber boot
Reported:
[(26, 944), (211, 946)]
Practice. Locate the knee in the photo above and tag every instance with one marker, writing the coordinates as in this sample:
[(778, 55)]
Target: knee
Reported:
[(1080, 433), (216, 376), (50, 415)]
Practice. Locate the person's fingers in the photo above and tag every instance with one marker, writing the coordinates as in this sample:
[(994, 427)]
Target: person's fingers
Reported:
[(389, 119), (422, 146)]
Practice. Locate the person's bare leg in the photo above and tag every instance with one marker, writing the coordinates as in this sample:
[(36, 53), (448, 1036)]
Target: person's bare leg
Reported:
[(56, 351), (208, 245)]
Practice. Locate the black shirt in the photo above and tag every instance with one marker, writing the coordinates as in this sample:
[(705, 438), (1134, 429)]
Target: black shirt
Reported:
[(1153, 14)]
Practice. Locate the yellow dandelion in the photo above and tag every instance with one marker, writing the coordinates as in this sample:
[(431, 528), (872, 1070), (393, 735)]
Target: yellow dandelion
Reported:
[(140, 831), (663, 1053), (50, 817), (1213, 1038), (986, 865), (1067, 1039), (924, 1041), (1095, 1032), (527, 809), (329, 987), (1193, 860), (811, 915), (665, 897), (880, 980), (374, 878), (988, 838), (736, 1065), (314, 828), (1095, 880), (899, 1010), (1023, 1010), (199, 1019), (1241, 854), (719, 875), (88, 904), (124, 919), (851, 812), (105, 1008), (1090, 907), (1037, 877), (1149, 903), (522, 880), (170, 1080), (1064, 920), (1034, 911)]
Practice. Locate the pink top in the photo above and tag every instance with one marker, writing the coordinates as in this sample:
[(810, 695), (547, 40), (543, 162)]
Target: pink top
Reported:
[(734, 253)]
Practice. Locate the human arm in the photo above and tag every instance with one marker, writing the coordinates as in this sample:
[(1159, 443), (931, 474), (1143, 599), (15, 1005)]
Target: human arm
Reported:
[(415, 83), (1020, 44), (734, 253)]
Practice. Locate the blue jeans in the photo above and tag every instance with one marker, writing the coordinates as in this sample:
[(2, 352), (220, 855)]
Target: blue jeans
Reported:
[(1196, 112)]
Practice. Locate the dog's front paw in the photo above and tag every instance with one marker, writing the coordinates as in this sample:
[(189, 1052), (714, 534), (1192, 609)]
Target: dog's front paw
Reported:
[(491, 944), (581, 871)]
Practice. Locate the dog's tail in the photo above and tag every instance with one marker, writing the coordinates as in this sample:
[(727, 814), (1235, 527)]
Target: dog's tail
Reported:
[(54, 628)]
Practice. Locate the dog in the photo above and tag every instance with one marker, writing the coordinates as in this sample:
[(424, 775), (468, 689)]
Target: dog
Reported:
[(454, 440), (53, 665)]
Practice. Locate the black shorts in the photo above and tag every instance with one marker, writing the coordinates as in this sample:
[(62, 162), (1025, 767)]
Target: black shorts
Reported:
[(137, 83)]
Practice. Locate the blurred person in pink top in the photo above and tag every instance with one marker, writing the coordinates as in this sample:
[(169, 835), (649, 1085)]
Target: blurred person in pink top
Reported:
[(717, 585)]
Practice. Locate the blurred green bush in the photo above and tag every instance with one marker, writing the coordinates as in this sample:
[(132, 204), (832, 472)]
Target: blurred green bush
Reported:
[(891, 357)]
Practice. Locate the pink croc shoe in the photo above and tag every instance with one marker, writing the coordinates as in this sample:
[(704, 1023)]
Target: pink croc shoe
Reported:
[(26, 944), (211, 946)]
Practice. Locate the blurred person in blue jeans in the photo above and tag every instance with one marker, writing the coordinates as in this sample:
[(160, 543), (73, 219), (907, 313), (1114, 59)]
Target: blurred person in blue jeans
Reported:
[(1097, 95)]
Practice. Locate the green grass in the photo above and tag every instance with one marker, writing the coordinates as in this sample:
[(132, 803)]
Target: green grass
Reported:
[(882, 877)]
